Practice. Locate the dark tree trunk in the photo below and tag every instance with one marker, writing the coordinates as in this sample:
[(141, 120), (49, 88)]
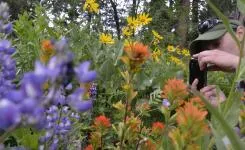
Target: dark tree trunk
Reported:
[(116, 18), (195, 11), (182, 28)]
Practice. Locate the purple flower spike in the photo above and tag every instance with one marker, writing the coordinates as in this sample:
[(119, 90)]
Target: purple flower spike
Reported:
[(83, 73), (9, 114), (165, 103)]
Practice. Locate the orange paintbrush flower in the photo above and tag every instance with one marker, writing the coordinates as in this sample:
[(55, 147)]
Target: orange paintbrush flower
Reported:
[(192, 121), (102, 121), (190, 112), (197, 102), (47, 51), (174, 89), (137, 51), (157, 127), (89, 147), (47, 47)]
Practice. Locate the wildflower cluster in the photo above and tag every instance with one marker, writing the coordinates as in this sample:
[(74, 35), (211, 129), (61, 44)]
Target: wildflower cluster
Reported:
[(134, 23), (91, 6), (177, 55)]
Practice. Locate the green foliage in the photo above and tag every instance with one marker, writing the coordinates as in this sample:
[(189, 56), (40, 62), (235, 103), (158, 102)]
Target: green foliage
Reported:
[(31, 30)]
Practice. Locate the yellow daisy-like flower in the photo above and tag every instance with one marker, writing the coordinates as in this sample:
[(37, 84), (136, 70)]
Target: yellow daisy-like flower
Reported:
[(178, 51), (106, 39), (133, 22), (157, 35), (171, 48), (185, 52), (144, 18), (91, 6), (126, 31), (176, 60), (156, 54)]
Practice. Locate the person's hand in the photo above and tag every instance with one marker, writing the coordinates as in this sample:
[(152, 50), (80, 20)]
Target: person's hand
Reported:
[(211, 93), (217, 60)]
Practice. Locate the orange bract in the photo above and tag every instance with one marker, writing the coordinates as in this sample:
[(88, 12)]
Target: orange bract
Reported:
[(89, 147), (175, 88), (149, 145), (190, 112), (102, 121), (47, 46), (137, 51), (157, 127), (197, 102)]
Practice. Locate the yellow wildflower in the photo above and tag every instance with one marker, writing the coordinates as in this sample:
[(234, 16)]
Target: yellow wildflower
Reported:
[(178, 50), (176, 60), (132, 22), (144, 18), (126, 31), (106, 39), (185, 52), (156, 54), (91, 6), (157, 35), (171, 48)]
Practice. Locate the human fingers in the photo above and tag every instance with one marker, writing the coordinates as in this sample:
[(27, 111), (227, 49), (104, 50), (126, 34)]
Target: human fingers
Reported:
[(194, 84), (213, 68), (207, 88), (210, 93)]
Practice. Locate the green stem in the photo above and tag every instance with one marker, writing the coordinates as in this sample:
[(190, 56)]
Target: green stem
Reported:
[(101, 141)]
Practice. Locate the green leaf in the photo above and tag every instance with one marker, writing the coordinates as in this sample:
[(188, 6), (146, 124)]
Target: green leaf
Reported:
[(241, 5), (27, 137), (106, 70)]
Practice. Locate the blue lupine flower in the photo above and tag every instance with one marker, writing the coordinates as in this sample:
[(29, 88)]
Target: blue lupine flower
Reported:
[(7, 28), (4, 45), (165, 103), (9, 114), (83, 73), (28, 106)]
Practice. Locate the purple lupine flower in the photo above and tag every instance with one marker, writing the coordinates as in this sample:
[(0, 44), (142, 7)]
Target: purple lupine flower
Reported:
[(93, 91), (16, 96), (76, 102), (83, 73), (28, 106), (32, 85), (165, 103), (54, 145), (9, 114), (4, 45), (7, 28)]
